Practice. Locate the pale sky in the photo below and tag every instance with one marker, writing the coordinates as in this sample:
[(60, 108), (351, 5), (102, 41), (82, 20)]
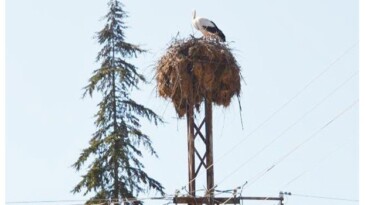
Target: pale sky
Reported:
[(299, 59)]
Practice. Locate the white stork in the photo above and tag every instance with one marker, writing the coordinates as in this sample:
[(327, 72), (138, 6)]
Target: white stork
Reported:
[(207, 27)]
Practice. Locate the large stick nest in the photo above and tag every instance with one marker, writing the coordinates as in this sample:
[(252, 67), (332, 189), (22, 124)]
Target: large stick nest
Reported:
[(199, 69)]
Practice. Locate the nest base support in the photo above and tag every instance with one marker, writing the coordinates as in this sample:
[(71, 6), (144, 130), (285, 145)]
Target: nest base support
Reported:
[(204, 159)]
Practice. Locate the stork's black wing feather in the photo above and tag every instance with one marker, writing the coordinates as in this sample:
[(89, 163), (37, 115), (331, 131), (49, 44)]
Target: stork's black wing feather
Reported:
[(216, 31)]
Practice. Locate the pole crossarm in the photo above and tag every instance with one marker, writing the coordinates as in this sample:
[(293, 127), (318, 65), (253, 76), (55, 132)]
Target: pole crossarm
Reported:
[(223, 200), (205, 200)]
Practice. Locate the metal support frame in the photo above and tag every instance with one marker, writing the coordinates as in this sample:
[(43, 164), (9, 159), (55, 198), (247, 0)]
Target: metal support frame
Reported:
[(204, 159)]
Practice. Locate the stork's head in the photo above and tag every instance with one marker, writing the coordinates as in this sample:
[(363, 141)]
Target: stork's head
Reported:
[(194, 14)]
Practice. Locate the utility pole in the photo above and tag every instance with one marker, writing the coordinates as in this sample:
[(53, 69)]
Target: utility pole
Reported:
[(206, 160)]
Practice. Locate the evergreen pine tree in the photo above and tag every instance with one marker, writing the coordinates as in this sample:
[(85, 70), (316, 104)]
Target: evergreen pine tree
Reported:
[(115, 171)]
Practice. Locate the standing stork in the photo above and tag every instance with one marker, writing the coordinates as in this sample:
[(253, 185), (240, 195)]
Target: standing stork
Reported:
[(207, 27)]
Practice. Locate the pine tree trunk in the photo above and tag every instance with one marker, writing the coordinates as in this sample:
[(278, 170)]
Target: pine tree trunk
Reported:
[(115, 127)]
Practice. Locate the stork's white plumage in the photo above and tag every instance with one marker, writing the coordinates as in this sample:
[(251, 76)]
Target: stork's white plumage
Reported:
[(207, 27)]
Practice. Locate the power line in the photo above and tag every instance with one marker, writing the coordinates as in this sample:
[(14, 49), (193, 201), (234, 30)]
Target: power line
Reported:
[(290, 127), (266, 170), (292, 98), (45, 201), (304, 142), (94, 200), (329, 154), (325, 197), (319, 130)]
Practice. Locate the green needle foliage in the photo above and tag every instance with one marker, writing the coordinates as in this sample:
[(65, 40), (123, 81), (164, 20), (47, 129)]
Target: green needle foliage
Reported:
[(115, 171)]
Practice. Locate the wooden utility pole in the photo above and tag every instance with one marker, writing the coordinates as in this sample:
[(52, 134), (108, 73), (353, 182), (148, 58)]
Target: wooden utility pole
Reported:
[(191, 147), (209, 149)]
